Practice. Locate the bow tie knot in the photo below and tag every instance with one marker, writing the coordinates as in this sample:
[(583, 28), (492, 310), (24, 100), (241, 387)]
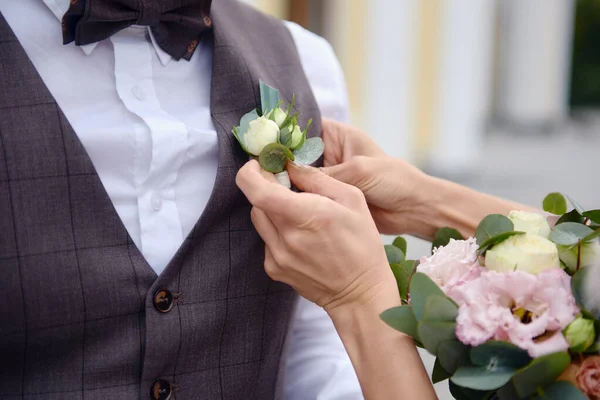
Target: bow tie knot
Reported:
[(177, 25), (148, 15)]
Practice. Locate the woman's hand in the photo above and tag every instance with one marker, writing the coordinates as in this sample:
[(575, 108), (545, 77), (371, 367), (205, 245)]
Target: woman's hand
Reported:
[(403, 199), (322, 242), (397, 192)]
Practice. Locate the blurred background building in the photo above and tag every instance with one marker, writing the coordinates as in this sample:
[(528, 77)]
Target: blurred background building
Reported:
[(499, 95)]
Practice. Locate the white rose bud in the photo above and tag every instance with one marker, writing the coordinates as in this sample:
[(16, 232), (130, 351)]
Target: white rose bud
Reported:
[(279, 115), (590, 255), (261, 132), (529, 222), (528, 253), (296, 137)]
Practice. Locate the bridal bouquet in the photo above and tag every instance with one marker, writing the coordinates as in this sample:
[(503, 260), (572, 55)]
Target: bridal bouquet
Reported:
[(511, 312), (273, 135)]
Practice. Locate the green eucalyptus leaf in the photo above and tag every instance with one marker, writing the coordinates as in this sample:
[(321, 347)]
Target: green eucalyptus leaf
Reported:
[(402, 280), (441, 309), (592, 236), (491, 226), (400, 243), (501, 353), (584, 299), (403, 272), (571, 216), (594, 215), (451, 354), (555, 203), (442, 237), (421, 287), (491, 242), (433, 333), (269, 97), (310, 151), (394, 254), (439, 374), (483, 378), (575, 205), (410, 266), (274, 157), (561, 390), (402, 319), (494, 363), (569, 233), (285, 137), (540, 372)]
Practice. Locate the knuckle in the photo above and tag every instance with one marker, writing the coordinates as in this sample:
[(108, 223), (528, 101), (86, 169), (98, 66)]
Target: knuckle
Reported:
[(362, 164), (271, 268), (356, 195)]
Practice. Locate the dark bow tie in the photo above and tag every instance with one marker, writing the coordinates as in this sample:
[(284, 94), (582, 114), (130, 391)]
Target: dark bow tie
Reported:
[(177, 25)]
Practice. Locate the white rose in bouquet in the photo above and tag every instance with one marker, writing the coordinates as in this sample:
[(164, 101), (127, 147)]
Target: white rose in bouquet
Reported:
[(261, 132), (529, 222), (528, 253)]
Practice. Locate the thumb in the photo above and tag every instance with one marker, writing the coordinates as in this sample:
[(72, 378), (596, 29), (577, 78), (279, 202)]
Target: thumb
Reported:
[(313, 180)]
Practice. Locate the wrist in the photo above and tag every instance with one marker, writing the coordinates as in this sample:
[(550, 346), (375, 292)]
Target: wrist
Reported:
[(368, 306), (429, 212)]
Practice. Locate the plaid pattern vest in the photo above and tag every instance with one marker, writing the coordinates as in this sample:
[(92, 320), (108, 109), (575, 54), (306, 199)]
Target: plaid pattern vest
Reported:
[(83, 315)]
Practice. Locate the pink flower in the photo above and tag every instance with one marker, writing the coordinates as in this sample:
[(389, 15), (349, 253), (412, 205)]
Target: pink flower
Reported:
[(453, 265), (588, 377), (527, 310)]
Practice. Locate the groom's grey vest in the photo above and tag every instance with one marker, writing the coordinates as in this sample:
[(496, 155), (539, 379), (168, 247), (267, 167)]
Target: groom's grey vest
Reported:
[(82, 315)]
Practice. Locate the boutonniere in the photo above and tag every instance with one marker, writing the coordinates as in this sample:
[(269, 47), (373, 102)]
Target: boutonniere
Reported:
[(273, 135)]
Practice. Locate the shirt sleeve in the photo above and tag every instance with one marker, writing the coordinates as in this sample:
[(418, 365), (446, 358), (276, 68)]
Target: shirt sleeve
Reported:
[(317, 365)]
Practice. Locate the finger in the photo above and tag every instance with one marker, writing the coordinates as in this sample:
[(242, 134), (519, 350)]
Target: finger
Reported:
[(334, 142), (265, 227), (359, 171), (271, 267), (313, 180)]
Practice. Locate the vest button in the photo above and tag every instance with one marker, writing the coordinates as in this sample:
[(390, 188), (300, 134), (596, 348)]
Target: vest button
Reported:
[(163, 300), (161, 390)]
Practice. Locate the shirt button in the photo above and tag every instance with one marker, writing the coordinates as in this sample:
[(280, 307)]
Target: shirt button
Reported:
[(163, 300), (161, 390), (156, 202), (138, 93)]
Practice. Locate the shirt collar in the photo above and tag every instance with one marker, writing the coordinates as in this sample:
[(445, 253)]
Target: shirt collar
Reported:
[(60, 7)]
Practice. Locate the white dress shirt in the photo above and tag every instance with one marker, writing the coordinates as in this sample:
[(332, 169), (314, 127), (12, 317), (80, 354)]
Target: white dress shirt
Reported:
[(145, 122)]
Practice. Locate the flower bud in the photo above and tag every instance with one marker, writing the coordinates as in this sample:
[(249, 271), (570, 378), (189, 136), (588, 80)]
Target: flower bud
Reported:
[(580, 334), (527, 253), (279, 116), (261, 132), (296, 137), (528, 222)]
